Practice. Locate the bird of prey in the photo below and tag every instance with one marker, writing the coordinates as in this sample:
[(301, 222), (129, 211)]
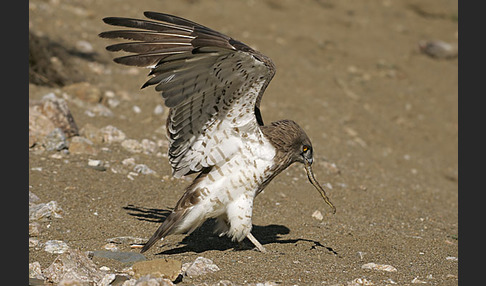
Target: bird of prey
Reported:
[(213, 85)]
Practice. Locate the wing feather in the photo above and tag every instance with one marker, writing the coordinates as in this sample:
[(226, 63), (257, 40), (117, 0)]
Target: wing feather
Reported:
[(212, 84)]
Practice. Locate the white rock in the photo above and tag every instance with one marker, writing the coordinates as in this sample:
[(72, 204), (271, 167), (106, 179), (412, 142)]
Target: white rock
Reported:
[(143, 169), (107, 279), (112, 134), (33, 198), (113, 102), (110, 247), (44, 211), (73, 265), (418, 281), (129, 161), (95, 163), (317, 215), (200, 266), (452, 258), (101, 110), (35, 270), (84, 46), (379, 267), (132, 145), (359, 282), (149, 146), (136, 109), (33, 242), (56, 246), (159, 109)]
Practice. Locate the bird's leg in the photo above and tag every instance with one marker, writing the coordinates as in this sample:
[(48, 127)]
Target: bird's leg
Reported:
[(256, 243)]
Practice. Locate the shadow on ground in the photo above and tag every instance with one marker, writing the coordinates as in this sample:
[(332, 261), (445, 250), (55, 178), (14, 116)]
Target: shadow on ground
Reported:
[(204, 239)]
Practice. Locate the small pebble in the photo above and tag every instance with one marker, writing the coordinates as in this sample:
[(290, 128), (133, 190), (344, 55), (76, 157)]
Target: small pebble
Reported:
[(317, 215), (159, 109), (110, 247), (136, 109), (94, 163), (84, 46), (438, 49), (143, 169), (452, 258), (418, 281)]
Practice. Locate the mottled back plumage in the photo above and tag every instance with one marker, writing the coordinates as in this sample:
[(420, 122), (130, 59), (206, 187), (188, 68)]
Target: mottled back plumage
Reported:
[(213, 86)]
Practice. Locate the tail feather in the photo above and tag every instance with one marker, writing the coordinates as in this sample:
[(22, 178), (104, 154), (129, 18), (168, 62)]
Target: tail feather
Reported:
[(167, 227), (172, 225)]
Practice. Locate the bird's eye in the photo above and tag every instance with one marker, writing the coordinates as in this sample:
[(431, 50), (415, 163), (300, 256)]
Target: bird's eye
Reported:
[(305, 148)]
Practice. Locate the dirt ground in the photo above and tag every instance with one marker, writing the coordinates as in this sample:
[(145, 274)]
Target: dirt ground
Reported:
[(383, 119)]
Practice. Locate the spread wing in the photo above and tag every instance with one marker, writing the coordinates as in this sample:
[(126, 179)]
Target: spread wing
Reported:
[(212, 84)]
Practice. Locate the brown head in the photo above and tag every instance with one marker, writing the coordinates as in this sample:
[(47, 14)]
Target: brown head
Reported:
[(293, 145)]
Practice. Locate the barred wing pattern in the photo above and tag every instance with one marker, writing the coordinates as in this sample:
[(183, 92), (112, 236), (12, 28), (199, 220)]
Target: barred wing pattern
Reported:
[(212, 84)]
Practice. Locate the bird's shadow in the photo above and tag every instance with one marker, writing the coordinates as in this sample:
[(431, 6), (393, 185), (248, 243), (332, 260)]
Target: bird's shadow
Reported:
[(204, 238)]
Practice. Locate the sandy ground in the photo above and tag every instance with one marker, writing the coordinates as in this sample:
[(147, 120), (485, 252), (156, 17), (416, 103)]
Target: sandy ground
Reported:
[(382, 118)]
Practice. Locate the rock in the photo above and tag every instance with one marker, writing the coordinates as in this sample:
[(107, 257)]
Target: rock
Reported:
[(92, 133), (452, 258), (39, 125), (379, 267), (132, 145), (44, 211), (33, 242), (418, 281), (73, 265), (163, 268), (129, 162), (113, 102), (229, 283), (35, 270), (122, 256), (438, 49), (148, 146), (143, 169), (34, 229), (82, 145), (84, 46), (200, 266), (111, 134), (99, 110), (317, 215), (110, 247), (56, 246), (136, 109), (73, 282), (148, 281), (360, 282), (96, 165), (33, 198), (56, 140), (56, 111), (159, 109), (107, 279), (84, 91), (119, 280)]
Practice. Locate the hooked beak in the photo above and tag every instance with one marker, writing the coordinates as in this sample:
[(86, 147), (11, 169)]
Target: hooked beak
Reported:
[(314, 182)]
